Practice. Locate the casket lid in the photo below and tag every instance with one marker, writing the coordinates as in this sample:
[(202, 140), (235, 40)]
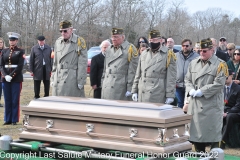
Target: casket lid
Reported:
[(123, 110)]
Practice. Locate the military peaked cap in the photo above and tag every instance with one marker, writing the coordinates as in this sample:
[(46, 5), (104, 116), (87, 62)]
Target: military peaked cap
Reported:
[(206, 43), (65, 24), (154, 34), (117, 31), (13, 35)]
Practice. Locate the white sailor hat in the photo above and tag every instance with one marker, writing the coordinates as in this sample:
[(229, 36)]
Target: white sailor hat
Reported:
[(13, 35)]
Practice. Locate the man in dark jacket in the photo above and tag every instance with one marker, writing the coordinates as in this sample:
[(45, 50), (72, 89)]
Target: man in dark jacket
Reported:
[(96, 70), (217, 52), (40, 66), (231, 113)]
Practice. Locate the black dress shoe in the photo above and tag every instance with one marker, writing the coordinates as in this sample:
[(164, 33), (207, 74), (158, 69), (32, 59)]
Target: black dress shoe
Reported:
[(222, 145), (14, 123), (6, 123)]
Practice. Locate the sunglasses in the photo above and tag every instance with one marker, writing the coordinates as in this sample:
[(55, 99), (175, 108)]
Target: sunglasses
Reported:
[(236, 54), (141, 42), (185, 46), (204, 51), (229, 49), (65, 31), (222, 40)]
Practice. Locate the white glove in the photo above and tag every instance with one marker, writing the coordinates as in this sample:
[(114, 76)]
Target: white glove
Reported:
[(128, 94), (192, 92), (169, 100), (198, 93), (80, 86), (51, 84), (8, 78), (135, 97)]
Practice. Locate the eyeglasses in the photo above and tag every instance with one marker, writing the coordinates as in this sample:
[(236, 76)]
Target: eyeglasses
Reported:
[(236, 54), (204, 51), (115, 37), (222, 40), (141, 42), (65, 31), (185, 46), (229, 49)]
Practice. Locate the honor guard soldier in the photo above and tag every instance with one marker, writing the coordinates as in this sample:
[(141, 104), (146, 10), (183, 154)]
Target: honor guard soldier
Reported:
[(119, 67), (12, 60), (205, 80), (155, 79), (70, 63)]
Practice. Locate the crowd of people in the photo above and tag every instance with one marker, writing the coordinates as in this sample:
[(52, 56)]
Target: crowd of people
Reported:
[(202, 78)]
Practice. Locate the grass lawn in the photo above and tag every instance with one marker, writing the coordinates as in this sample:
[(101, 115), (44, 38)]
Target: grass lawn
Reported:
[(27, 95)]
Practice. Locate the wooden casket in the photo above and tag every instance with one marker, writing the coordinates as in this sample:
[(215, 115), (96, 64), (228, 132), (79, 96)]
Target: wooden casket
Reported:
[(114, 125)]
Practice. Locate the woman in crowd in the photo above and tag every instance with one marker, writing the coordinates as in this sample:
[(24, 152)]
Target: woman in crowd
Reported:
[(11, 67), (234, 66), (142, 44), (2, 46)]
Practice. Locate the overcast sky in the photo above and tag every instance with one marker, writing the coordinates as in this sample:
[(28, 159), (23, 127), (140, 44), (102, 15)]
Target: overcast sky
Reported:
[(201, 5)]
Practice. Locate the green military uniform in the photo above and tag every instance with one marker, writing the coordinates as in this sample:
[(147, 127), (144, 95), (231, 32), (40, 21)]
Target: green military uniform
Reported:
[(207, 111), (119, 70), (70, 66)]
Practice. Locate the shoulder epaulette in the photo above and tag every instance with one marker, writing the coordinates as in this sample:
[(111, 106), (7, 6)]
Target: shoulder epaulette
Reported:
[(223, 67), (132, 52), (171, 54), (81, 44)]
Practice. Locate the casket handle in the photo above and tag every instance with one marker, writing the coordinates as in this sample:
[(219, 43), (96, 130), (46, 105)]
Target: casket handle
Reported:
[(175, 133), (133, 133), (49, 124), (186, 133), (162, 138), (90, 128), (26, 120)]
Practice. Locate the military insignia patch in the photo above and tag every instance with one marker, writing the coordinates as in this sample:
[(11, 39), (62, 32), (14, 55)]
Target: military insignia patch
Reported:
[(132, 52), (223, 67), (170, 55), (81, 44)]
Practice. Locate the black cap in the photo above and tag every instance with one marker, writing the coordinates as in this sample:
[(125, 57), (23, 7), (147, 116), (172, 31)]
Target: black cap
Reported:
[(230, 72), (41, 38), (223, 38)]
